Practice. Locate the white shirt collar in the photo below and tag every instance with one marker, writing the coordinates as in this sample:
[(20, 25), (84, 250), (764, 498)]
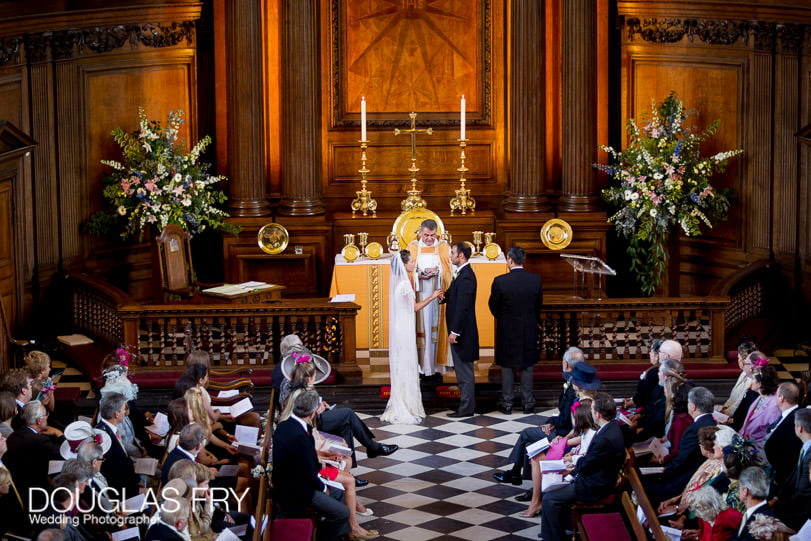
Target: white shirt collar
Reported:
[(300, 421), (187, 453), (751, 510), (785, 413), (111, 425), (462, 266)]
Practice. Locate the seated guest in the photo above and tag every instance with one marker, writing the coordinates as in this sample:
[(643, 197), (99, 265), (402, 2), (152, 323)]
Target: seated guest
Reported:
[(744, 379), (51, 534), (678, 472), (756, 359), (738, 456), (118, 468), (581, 436), (8, 410), (754, 490), (192, 439), (295, 471), (804, 533), (652, 420), (763, 411), (594, 476), (648, 380), (173, 519), (579, 376), (15, 517), (92, 453), (65, 497), (29, 451), (343, 422), (678, 420), (794, 497), (17, 382), (115, 370), (716, 521), (781, 445), (38, 366)]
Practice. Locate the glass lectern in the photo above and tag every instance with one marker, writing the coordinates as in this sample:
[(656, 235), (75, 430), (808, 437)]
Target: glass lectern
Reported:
[(588, 275)]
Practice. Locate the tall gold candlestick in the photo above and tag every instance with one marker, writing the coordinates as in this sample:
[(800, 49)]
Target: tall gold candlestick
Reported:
[(364, 202), (463, 200)]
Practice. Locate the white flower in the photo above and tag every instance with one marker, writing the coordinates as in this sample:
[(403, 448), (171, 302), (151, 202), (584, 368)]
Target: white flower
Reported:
[(634, 196), (186, 202), (178, 178), (658, 176), (627, 195), (653, 213), (122, 210)]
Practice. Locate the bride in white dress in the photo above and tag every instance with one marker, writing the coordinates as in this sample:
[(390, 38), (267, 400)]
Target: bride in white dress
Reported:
[(405, 401)]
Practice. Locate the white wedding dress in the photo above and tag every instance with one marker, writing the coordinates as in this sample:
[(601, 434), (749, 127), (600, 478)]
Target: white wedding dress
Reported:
[(405, 401)]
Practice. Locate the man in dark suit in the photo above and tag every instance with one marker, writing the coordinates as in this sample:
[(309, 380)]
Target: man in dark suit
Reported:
[(174, 516), (557, 425), (678, 472), (29, 452), (295, 472), (794, 497), (17, 382), (189, 445), (753, 491), (118, 468), (782, 446), (595, 475), (515, 301), (15, 519), (463, 336)]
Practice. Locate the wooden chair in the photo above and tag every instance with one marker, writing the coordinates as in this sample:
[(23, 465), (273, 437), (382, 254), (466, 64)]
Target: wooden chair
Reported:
[(17, 345), (608, 503), (174, 255)]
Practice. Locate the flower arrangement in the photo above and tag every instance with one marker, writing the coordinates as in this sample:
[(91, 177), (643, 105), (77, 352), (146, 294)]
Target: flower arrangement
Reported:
[(159, 182), (661, 180)]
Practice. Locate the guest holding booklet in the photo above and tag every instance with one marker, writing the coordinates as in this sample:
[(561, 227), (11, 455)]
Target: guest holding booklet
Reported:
[(578, 444)]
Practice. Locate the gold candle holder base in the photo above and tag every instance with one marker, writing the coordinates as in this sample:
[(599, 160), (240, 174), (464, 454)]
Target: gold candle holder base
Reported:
[(364, 201), (463, 200), (414, 199)]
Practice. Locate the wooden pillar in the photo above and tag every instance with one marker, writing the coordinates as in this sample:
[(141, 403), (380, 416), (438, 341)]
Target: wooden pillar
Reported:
[(301, 110), (246, 136), (579, 104), (527, 109)]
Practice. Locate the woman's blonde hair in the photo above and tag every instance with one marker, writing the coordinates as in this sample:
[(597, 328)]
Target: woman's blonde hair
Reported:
[(197, 406), (36, 362), (301, 373), (202, 473), (5, 477)]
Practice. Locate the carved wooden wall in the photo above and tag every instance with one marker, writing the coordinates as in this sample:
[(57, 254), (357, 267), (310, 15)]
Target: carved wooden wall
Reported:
[(748, 67), (67, 78)]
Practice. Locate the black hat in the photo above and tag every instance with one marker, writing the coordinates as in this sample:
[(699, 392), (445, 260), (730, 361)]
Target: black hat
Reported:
[(584, 376)]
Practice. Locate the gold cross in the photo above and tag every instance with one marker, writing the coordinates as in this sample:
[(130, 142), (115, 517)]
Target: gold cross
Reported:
[(413, 131)]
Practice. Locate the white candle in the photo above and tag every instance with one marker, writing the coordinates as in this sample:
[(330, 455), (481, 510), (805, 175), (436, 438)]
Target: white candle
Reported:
[(462, 120), (362, 118)]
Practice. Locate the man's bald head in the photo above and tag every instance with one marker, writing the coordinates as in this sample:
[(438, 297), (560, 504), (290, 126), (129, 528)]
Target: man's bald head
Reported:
[(670, 349)]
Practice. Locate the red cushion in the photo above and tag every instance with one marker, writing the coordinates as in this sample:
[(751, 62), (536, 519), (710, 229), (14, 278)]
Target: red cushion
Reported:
[(292, 529), (605, 526)]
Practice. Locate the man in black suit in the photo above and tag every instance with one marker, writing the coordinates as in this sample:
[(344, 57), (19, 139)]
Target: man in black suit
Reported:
[(174, 516), (515, 301), (29, 451), (295, 472), (17, 382), (794, 497), (463, 336), (189, 445), (118, 468), (753, 491), (678, 472), (15, 519), (782, 446), (595, 475)]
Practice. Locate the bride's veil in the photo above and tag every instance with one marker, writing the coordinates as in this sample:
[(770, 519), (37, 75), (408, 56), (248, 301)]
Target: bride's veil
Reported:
[(401, 310)]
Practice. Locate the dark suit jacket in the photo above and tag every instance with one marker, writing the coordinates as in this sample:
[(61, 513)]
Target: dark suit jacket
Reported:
[(689, 457), (295, 468), (27, 459), (646, 386), (782, 449), (745, 535), (460, 314), (563, 420), (171, 458), (515, 301), (118, 468), (17, 420), (13, 518), (159, 532), (794, 499), (595, 475)]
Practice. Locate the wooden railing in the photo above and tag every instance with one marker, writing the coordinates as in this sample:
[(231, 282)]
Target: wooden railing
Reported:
[(239, 334), (622, 329)]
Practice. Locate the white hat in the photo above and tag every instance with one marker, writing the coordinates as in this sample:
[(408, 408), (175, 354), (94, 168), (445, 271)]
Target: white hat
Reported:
[(77, 433), (302, 355)]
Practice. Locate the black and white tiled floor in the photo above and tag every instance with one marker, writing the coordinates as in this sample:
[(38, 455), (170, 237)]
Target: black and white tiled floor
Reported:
[(440, 484)]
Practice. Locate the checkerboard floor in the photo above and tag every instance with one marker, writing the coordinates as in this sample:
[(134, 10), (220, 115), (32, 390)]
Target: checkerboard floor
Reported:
[(440, 484)]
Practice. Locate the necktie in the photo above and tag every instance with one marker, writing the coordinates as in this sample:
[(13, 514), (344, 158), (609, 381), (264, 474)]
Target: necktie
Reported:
[(455, 273), (13, 486), (775, 423)]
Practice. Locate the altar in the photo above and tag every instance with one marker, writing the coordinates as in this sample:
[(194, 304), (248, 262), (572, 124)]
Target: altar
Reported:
[(368, 280)]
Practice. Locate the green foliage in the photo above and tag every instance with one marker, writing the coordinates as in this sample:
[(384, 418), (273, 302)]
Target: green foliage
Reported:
[(660, 181), (159, 182)]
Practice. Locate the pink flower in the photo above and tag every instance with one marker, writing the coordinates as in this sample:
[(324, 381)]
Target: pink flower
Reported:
[(150, 185)]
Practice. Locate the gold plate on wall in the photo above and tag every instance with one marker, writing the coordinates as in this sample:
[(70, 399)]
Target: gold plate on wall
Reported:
[(350, 252), (407, 225), (273, 238), (556, 234), (374, 250)]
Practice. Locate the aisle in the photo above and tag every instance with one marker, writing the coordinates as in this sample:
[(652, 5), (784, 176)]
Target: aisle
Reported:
[(440, 483)]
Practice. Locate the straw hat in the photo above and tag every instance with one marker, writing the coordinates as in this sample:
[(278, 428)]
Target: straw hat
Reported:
[(77, 433), (301, 355)]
